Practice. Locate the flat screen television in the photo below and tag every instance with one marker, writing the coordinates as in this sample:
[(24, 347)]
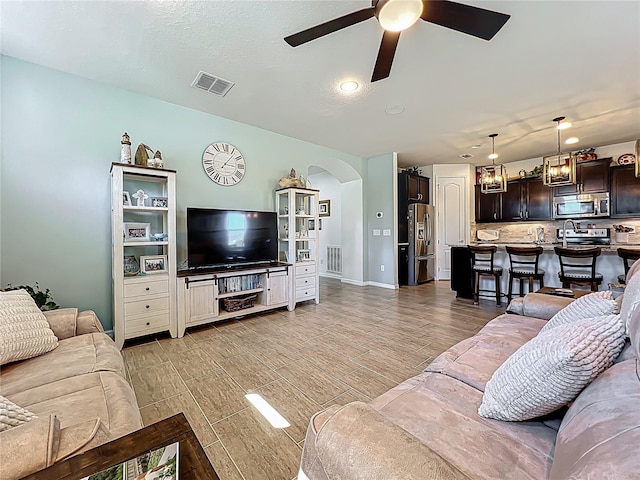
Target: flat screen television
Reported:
[(229, 237)]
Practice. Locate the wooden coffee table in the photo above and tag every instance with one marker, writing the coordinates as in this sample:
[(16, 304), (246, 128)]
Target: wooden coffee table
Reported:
[(576, 293)]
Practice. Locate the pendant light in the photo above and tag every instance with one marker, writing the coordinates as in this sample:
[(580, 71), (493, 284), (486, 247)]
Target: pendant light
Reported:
[(559, 169), (493, 178)]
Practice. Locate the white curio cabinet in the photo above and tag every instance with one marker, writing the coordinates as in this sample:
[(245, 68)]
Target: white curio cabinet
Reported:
[(298, 234), (143, 225)]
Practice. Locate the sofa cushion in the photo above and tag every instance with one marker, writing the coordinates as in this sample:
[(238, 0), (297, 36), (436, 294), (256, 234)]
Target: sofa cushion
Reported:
[(475, 359), (74, 356), (552, 368), (631, 299), (441, 412), (600, 433), (24, 330), (103, 395), (592, 305), (12, 415)]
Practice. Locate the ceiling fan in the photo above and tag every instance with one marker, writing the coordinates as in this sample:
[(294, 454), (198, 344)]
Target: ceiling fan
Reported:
[(398, 15)]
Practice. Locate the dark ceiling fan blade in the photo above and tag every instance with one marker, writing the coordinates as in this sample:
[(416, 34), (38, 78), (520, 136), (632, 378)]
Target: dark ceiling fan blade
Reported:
[(329, 27), (385, 55), (464, 18)]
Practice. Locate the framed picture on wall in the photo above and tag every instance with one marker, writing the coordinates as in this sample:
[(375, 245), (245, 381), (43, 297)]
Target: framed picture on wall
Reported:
[(126, 199), (324, 208)]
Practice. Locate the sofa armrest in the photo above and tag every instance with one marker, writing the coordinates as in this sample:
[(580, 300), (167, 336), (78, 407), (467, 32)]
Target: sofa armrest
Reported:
[(68, 322), (356, 442), (538, 305), (29, 447), (41, 442)]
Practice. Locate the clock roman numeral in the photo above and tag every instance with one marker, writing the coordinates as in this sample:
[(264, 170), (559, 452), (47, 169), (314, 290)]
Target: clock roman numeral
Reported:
[(207, 161), (225, 147), (238, 174), (210, 170), (215, 145), (240, 166), (216, 177)]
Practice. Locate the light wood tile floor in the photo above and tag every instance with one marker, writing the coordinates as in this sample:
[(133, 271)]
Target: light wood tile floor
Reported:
[(356, 344)]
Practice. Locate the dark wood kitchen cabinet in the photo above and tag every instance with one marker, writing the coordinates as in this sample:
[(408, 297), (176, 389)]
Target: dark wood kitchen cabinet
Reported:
[(591, 177), (488, 206), (525, 199), (625, 192), (412, 187)]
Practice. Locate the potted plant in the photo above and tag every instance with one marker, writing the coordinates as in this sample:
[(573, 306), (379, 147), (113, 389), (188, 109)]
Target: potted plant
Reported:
[(44, 300)]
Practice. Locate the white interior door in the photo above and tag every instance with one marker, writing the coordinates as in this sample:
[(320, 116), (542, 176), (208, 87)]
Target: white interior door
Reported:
[(452, 220)]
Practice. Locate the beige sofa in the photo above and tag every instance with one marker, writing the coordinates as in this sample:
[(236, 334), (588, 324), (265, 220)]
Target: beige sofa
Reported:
[(78, 391), (428, 426)]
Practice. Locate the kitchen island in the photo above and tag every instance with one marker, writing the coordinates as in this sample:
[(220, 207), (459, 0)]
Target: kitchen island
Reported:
[(608, 264)]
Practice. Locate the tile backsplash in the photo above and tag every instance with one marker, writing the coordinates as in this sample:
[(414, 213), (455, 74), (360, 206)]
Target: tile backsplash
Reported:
[(526, 231)]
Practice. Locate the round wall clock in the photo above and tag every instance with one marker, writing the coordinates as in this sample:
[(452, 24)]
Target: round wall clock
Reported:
[(223, 163)]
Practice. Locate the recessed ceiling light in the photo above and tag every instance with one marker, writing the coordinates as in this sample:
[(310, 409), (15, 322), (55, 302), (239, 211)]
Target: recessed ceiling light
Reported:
[(571, 140), (349, 86), (477, 145), (394, 109)]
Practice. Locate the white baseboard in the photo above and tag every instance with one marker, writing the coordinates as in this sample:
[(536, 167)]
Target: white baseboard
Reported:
[(353, 282), (383, 285), (330, 275), (110, 333)]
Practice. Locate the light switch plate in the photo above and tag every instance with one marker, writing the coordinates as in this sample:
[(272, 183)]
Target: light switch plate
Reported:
[(376, 232), (386, 232)]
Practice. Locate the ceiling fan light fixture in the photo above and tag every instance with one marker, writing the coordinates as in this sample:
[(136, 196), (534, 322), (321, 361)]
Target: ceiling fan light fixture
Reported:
[(563, 125), (571, 140), (398, 15)]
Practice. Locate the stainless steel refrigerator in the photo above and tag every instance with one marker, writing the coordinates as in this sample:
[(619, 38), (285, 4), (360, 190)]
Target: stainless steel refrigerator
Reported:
[(421, 244)]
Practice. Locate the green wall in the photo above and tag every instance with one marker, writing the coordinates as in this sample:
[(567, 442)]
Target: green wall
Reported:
[(60, 134)]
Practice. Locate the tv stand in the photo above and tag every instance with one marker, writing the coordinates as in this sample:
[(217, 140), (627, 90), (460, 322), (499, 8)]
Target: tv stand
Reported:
[(220, 293)]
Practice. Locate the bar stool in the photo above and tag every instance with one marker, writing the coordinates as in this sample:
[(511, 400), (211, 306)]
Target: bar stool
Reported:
[(628, 256), (482, 264), (578, 266), (524, 266)]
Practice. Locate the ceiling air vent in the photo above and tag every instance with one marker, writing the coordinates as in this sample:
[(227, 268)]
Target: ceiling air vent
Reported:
[(212, 84), (466, 155)]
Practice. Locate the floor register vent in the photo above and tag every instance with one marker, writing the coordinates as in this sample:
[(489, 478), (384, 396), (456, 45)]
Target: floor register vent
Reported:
[(212, 84)]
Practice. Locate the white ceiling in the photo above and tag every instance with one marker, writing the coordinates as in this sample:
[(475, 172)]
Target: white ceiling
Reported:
[(580, 59)]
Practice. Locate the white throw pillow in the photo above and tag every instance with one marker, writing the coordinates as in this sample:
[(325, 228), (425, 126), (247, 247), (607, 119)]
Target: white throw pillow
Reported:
[(630, 300), (12, 415), (551, 369), (592, 305), (24, 330)]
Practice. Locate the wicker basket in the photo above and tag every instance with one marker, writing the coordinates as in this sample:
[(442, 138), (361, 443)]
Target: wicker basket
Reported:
[(234, 304)]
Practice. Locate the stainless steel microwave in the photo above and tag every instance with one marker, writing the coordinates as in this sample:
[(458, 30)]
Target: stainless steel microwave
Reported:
[(581, 206)]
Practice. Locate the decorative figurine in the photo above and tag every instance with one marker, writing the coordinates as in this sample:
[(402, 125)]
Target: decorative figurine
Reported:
[(140, 197), (143, 155), (125, 150), (157, 160), (291, 180)]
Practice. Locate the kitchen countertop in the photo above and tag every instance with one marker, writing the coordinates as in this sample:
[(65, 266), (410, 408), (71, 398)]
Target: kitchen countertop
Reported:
[(549, 246)]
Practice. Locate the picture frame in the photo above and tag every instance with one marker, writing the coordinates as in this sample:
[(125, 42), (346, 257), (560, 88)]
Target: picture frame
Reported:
[(324, 208), (304, 255), (151, 264), (159, 202), (136, 232), (312, 224), (126, 199)]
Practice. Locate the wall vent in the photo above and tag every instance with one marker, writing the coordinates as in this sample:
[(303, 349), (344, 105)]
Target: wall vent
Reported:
[(212, 84), (334, 259)]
